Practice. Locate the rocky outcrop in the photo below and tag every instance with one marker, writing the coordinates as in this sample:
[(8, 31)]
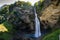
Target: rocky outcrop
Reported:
[(23, 19), (51, 15)]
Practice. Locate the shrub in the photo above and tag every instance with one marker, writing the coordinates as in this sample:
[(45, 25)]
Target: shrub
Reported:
[(6, 35)]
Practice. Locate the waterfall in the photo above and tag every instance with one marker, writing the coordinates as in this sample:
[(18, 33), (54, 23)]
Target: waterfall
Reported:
[(37, 25)]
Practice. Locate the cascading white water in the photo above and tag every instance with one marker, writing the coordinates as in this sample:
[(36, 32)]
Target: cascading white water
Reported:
[(37, 25)]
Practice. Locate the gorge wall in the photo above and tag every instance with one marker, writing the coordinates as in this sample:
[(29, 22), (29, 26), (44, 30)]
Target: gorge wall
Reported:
[(21, 15)]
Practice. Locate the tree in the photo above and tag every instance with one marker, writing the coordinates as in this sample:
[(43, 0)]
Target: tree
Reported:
[(39, 6)]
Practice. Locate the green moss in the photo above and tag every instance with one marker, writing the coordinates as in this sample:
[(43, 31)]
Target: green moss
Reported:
[(52, 36)]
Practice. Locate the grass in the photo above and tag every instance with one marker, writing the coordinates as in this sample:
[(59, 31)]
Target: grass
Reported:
[(52, 36)]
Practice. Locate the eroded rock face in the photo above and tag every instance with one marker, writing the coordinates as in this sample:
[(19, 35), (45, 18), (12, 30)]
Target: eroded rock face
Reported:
[(50, 16)]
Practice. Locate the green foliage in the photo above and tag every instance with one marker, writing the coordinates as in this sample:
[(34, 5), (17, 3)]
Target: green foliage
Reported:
[(2, 19), (41, 0), (39, 6), (8, 25), (20, 3), (4, 9), (4, 13), (7, 35), (52, 36)]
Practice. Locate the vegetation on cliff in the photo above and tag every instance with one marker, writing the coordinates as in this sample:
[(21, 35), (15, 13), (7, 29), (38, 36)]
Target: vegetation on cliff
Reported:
[(19, 17), (6, 31)]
